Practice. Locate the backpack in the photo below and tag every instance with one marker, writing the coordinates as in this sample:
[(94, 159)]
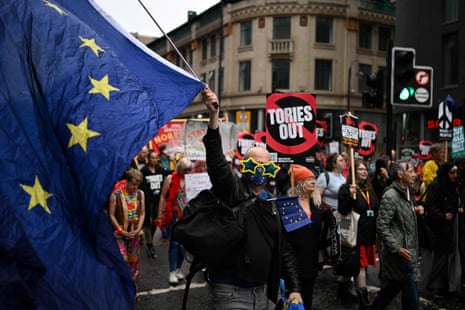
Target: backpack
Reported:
[(211, 231)]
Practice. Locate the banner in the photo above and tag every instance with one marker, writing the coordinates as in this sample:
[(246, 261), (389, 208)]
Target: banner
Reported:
[(321, 129), (367, 133), (458, 142), (423, 150), (290, 126)]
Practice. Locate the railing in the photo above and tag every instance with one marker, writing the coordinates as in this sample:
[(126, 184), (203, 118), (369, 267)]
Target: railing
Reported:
[(283, 46)]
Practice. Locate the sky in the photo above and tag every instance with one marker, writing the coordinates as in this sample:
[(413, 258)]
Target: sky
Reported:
[(169, 15)]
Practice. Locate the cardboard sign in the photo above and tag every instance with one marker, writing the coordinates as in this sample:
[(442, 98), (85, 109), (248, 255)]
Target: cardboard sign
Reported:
[(349, 128)]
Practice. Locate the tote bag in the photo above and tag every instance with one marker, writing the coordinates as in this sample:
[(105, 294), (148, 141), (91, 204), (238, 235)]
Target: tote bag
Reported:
[(348, 226)]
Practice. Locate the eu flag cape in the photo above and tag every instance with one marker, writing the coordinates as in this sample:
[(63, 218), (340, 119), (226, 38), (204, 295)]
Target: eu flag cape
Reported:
[(78, 99)]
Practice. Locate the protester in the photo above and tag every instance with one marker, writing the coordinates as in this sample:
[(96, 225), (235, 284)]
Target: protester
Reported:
[(329, 182), (127, 214), (442, 206), (200, 166), (170, 208), (251, 278), (396, 227), (306, 241), (167, 162), (361, 198), (460, 162), (380, 178), (141, 158), (154, 176), (431, 166)]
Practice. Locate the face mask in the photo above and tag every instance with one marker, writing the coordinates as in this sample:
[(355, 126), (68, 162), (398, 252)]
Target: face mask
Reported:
[(258, 173)]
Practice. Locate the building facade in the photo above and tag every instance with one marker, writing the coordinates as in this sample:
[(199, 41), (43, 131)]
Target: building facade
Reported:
[(247, 49), (436, 30)]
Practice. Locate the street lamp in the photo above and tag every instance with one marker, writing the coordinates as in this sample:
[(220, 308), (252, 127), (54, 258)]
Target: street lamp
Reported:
[(348, 84)]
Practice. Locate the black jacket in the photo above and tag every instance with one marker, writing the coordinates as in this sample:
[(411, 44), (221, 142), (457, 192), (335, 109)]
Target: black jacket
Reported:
[(366, 233), (266, 255)]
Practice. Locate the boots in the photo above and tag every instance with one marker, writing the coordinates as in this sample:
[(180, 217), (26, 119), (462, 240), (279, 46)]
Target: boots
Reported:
[(345, 293), (363, 300)]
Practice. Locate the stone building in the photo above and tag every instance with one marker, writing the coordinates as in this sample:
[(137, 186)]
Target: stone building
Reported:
[(247, 49)]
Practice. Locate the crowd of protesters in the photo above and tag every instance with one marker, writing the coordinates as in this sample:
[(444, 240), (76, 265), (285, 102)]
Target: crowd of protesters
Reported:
[(410, 220)]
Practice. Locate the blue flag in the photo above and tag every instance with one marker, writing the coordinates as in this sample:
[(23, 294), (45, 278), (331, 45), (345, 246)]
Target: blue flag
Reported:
[(78, 100), (292, 214)]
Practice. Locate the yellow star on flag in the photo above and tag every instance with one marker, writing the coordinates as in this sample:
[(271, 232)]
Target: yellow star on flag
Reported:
[(90, 43), (102, 87), (39, 196), (80, 134), (55, 7)]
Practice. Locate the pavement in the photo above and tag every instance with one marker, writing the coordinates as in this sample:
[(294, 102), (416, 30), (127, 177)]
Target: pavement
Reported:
[(155, 293)]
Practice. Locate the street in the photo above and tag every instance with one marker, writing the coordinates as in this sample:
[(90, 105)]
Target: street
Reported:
[(156, 294)]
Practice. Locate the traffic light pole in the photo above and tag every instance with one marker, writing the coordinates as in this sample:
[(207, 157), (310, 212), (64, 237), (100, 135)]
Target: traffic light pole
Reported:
[(390, 135)]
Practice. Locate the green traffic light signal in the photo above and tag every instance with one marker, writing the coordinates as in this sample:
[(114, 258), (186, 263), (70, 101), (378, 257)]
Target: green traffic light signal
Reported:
[(406, 93)]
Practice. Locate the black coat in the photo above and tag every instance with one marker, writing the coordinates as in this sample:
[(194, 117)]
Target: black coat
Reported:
[(306, 243), (266, 256), (442, 197), (366, 233)]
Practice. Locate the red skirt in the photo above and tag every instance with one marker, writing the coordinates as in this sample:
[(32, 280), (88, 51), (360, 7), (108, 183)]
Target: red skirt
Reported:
[(367, 255)]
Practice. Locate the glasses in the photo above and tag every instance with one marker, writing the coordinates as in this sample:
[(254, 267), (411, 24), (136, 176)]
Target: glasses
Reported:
[(187, 169), (266, 169)]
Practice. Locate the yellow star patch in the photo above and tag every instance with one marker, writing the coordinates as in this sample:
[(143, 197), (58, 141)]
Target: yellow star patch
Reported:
[(102, 87), (39, 196), (80, 134), (90, 43), (55, 7)]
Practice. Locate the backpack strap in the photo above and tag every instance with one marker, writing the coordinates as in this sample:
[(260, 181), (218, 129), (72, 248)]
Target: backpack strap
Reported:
[(327, 178), (195, 267)]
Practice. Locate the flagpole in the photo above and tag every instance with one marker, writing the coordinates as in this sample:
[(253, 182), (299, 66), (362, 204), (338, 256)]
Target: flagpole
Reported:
[(170, 41)]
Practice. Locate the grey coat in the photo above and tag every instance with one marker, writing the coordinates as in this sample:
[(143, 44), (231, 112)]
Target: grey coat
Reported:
[(396, 227)]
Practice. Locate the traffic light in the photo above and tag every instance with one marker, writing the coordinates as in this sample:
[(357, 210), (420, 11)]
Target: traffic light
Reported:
[(374, 96), (411, 85)]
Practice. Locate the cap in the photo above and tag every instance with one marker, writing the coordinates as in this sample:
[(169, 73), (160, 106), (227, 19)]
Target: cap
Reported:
[(300, 173)]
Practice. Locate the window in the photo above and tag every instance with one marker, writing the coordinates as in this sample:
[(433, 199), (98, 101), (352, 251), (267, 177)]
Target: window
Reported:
[(203, 77), (364, 36), (450, 59), (384, 35), (244, 75), (323, 74), (324, 29), (363, 72), (450, 10), (211, 80), (280, 73), (246, 33), (213, 46), (204, 49), (281, 28)]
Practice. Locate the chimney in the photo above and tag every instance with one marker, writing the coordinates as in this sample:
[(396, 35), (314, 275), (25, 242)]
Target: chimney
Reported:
[(191, 15)]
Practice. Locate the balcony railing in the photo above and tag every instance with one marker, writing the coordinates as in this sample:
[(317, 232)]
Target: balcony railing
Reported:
[(281, 47)]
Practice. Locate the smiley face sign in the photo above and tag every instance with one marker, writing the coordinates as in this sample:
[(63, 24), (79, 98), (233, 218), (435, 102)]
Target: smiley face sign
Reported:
[(290, 124)]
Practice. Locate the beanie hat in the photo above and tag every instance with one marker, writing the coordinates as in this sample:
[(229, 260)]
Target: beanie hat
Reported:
[(300, 173)]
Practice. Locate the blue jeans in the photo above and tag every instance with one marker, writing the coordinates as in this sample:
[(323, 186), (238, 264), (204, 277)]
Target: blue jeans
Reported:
[(228, 296), (175, 252), (390, 289)]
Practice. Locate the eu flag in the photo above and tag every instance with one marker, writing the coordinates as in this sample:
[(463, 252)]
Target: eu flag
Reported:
[(292, 214), (78, 99)]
